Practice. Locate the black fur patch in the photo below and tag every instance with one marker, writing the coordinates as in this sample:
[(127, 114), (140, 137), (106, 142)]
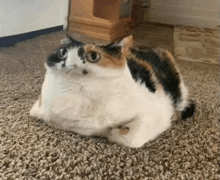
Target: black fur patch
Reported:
[(81, 53), (62, 53), (163, 70), (188, 111), (140, 73), (53, 59), (74, 43)]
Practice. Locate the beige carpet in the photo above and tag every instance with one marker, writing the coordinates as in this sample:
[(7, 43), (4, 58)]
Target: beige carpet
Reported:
[(196, 44), (30, 150)]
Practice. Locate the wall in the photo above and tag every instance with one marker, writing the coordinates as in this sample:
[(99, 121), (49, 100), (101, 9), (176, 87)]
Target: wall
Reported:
[(198, 13), (21, 16)]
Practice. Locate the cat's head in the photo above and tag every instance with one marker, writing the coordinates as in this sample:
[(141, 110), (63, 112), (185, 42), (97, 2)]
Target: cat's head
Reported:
[(91, 59)]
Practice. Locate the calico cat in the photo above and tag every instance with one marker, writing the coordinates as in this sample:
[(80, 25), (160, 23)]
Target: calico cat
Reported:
[(126, 94)]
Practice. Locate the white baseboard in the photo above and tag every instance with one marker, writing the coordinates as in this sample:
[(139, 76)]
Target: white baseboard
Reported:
[(184, 15)]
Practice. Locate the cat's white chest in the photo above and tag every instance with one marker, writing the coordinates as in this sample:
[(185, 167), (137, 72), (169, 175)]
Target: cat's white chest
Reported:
[(67, 105), (91, 108)]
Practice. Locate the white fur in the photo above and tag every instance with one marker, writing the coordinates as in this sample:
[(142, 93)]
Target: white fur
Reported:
[(102, 103), (184, 94)]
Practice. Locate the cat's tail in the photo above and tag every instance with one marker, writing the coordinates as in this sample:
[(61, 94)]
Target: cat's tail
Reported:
[(186, 106), (189, 110)]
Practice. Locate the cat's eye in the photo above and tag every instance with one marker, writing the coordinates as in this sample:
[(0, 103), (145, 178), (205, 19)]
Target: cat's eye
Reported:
[(93, 56), (62, 53)]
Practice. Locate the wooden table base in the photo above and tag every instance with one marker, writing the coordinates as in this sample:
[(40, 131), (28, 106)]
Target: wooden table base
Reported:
[(82, 19)]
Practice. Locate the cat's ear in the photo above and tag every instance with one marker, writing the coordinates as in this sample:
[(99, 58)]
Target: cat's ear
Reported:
[(126, 43), (70, 40)]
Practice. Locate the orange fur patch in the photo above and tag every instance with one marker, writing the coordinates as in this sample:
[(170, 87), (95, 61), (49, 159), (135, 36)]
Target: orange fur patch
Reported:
[(170, 56), (124, 131), (165, 54), (144, 64), (108, 61)]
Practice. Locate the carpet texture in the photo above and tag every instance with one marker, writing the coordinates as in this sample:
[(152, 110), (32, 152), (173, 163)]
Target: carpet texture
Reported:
[(196, 44), (31, 150)]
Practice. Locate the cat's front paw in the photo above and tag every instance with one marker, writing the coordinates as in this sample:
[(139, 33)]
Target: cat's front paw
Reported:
[(127, 136), (120, 136), (38, 111)]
